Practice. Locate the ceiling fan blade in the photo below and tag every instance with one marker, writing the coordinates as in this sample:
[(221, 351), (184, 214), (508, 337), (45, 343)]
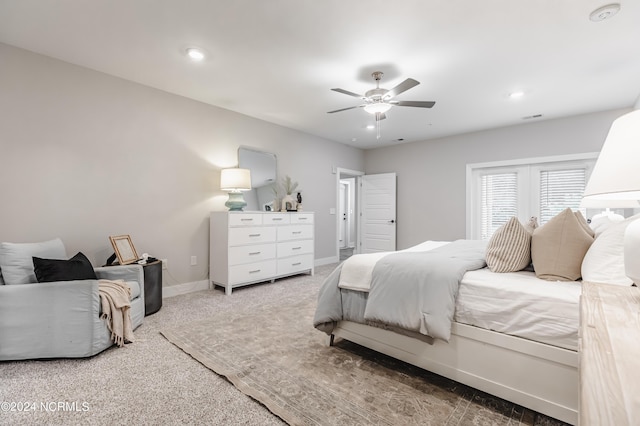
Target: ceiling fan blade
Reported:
[(419, 104), (346, 92), (345, 109), (404, 86)]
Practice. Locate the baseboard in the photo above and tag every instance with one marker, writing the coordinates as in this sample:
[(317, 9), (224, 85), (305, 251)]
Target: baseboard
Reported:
[(184, 288), (326, 261)]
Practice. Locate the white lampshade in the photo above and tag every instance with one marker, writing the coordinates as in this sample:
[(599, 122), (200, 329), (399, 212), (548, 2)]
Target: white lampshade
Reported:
[(616, 178), (616, 175), (235, 180), (377, 107)]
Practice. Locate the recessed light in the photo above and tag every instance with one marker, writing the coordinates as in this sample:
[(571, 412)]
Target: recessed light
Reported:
[(371, 127), (195, 54), (604, 12), (517, 94)]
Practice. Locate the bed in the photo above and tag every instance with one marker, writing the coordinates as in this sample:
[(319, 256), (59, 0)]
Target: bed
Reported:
[(512, 335)]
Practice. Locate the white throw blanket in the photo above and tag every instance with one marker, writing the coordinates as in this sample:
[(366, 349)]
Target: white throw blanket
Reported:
[(356, 270), (115, 301)]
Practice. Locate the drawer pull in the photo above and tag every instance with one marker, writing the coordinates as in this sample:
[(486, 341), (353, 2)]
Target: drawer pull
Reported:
[(302, 218), (296, 248), (255, 271), (277, 218), (246, 219), (254, 253), (296, 264), (254, 235), (297, 232)]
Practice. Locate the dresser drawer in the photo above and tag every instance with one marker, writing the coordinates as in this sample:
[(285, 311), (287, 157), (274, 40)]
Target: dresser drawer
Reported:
[(252, 272), (295, 232), (251, 253), (293, 248), (276, 219), (294, 264), (301, 218), (240, 219), (251, 235)]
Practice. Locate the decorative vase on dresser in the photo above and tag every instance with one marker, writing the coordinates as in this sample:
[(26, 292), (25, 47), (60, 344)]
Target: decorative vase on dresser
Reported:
[(252, 247)]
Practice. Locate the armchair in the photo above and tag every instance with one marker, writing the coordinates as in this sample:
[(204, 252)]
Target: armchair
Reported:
[(58, 319)]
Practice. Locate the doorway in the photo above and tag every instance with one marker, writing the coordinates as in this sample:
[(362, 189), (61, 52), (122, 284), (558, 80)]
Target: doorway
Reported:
[(366, 213), (346, 210), (347, 216)]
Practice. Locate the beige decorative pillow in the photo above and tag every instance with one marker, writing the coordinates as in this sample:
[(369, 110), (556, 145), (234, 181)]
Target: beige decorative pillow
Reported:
[(585, 225), (509, 249), (558, 247)]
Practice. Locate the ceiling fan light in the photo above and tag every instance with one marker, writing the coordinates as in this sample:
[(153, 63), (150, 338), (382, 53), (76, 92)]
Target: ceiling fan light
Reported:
[(380, 107)]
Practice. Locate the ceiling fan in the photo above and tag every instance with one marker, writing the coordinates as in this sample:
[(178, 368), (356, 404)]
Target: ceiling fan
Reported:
[(378, 101)]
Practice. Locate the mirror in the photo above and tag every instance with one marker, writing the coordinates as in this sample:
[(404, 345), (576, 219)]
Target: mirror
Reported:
[(263, 168)]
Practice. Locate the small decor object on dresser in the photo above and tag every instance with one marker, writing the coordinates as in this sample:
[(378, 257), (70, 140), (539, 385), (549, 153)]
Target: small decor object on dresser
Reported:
[(299, 206), (288, 203)]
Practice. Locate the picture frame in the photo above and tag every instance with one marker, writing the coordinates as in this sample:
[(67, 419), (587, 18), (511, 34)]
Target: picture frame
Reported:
[(124, 249)]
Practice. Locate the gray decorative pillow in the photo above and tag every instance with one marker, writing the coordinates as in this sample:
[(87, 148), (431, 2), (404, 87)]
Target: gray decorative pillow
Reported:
[(509, 249), (16, 259)]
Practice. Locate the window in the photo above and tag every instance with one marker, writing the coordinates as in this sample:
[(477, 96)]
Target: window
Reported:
[(540, 187), (499, 201)]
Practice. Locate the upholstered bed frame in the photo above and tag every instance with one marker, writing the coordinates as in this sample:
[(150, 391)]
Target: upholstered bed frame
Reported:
[(541, 377)]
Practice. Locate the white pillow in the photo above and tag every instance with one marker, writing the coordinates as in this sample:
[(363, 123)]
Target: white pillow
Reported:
[(600, 224), (16, 259), (604, 261)]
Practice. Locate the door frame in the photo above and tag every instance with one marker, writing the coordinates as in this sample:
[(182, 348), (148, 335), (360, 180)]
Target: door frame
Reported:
[(345, 174)]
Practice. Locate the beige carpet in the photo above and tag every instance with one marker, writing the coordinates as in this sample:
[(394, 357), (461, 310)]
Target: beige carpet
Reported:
[(277, 357)]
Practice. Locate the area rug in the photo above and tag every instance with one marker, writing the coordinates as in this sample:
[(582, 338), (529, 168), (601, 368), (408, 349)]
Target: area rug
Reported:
[(276, 356)]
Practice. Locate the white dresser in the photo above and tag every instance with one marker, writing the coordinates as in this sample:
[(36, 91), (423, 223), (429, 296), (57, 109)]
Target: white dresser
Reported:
[(251, 247)]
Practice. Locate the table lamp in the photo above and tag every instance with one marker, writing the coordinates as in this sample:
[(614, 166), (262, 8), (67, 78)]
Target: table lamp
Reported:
[(616, 176), (235, 181)]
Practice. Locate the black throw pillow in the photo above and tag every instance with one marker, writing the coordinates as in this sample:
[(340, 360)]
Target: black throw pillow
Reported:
[(76, 268)]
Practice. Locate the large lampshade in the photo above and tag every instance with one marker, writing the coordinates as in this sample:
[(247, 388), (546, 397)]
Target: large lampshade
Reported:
[(235, 181), (616, 177)]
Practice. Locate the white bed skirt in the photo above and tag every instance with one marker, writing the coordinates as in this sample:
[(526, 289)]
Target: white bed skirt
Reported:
[(540, 377)]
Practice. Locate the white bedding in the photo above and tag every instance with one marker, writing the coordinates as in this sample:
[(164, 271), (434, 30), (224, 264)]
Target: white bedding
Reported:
[(356, 270), (520, 304), (515, 303)]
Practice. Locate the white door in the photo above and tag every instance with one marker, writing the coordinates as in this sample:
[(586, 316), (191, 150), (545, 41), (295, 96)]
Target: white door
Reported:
[(378, 214)]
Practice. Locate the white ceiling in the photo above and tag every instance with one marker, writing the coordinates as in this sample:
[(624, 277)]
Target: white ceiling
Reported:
[(277, 60)]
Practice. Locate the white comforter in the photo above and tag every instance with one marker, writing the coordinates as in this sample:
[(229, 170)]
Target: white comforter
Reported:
[(356, 270)]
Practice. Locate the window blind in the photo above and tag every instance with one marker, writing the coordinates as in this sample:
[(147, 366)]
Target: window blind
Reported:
[(560, 189), (499, 201)]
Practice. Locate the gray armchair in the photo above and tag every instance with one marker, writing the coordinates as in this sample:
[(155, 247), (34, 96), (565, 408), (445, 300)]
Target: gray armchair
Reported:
[(61, 319)]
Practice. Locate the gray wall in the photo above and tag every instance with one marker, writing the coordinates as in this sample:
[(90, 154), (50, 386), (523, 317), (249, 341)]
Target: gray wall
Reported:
[(431, 175), (86, 155)]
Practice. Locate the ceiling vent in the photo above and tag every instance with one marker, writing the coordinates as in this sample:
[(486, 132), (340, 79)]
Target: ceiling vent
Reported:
[(529, 117)]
